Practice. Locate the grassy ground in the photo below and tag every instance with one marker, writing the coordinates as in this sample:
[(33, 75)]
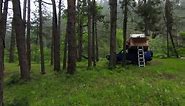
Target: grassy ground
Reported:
[(161, 83)]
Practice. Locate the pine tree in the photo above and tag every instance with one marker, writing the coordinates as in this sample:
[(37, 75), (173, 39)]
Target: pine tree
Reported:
[(20, 39), (41, 38), (113, 19), (56, 39), (71, 68)]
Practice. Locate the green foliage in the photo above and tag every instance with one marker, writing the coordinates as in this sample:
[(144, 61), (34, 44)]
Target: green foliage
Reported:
[(13, 79), (181, 51), (7, 55), (158, 46), (150, 13), (182, 34), (119, 39), (160, 83), (19, 102), (36, 54)]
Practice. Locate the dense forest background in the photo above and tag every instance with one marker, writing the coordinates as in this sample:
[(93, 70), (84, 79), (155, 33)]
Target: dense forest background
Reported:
[(134, 24)]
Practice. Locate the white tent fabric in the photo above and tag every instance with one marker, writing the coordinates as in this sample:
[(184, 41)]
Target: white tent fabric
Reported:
[(137, 35)]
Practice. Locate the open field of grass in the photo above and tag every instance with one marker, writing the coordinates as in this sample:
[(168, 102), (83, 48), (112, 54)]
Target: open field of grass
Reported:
[(160, 83)]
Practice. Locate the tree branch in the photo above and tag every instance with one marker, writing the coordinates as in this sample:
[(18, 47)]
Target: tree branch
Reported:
[(46, 3)]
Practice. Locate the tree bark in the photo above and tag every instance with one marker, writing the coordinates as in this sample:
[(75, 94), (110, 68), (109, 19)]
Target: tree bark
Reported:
[(1, 8), (89, 35), (28, 36), (1, 68), (24, 11), (3, 19), (56, 39), (71, 68), (97, 44), (173, 44), (93, 33), (59, 19), (80, 31), (41, 39), (125, 31), (59, 16), (20, 39), (1, 55), (12, 45), (80, 40), (113, 13)]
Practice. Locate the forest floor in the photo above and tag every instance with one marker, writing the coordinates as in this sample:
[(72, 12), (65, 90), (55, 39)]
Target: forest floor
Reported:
[(160, 83)]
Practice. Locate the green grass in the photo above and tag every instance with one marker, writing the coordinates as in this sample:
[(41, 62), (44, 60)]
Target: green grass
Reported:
[(161, 83)]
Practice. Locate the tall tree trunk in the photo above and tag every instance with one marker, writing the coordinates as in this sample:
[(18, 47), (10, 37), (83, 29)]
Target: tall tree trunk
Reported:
[(80, 5), (1, 8), (89, 35), (1, 67), (173, 44), (78, 28), (167, 35), (24, 11), (24, 17), (59, 18), (97, 44), (169, 24), (1, 53), (12, 44), (71, 68), (80, 31), (125, 30), (146, 22), (37, 34), (20, 39), (1, 70), (28, 36), (80, 40), (56, 38), (93, 33), (3, 19), (113, 13), (41, 39)]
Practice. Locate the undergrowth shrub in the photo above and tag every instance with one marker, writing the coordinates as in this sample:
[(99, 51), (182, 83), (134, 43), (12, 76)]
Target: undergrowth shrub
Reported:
[(13, 79), (19, 101)]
